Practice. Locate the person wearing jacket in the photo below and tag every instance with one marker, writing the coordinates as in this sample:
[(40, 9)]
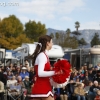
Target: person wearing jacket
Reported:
[(79, 92)]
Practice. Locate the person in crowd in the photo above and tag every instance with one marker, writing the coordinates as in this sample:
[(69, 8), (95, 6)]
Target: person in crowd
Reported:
[(79, 92), (97, 76), (31, 75), (75, 76), (21, 65), (27, 84), (27, 65), (26, 62), (56, 92), (78, 80), (85, 67), (13, 69), (87, 87), (14, 81), (81, 77), (15, 65), (11, 81), (95, 70), (24, 73), (99, 85), (86, 78), (18, 71), (70, 88), (93, 89), (2, 76), (20, 81), (71, 76), (82, 70), (2, 90), (9, 74), (63, 93), (89, 96), (98, 66), (74, 70), (90, 74), (97, 95), (11, 66), (42, 89)]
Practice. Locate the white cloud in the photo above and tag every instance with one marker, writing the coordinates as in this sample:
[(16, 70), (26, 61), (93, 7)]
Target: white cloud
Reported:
[(57, 27), (47, 11), (23, 18), (64, 18), (50, 16), (90, 25), (3, 15), (43, 8)]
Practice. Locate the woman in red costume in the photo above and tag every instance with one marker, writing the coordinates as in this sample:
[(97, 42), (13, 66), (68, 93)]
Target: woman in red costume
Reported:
[(42, 89)]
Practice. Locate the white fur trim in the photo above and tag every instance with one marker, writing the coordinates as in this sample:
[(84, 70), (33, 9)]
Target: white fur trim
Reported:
[(57, 85), (42, 95)]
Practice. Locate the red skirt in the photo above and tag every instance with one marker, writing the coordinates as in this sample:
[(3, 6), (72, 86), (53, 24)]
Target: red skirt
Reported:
[(97, 98), (42, 87)]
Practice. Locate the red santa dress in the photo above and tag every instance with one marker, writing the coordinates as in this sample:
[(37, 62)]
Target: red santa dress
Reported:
[(42, 86)]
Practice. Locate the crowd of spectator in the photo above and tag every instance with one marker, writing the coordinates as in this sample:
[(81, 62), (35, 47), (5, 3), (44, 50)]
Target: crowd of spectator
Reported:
[(14, 75), (84, 83)]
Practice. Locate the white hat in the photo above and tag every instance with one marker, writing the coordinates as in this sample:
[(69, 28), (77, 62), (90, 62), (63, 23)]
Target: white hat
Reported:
[(95, 82), (18, 66), (26, 76), (24, 68)]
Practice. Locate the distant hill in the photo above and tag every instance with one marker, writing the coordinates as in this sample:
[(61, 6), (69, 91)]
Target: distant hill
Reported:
[(50, 30), (87, 34)]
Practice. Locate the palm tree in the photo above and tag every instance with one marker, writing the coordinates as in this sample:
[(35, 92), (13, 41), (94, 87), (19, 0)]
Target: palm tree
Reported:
[(52, 35), (57, 37), (68, 31), (77, 25)]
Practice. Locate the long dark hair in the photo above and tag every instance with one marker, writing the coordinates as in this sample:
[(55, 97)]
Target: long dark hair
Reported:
[(40, 48)]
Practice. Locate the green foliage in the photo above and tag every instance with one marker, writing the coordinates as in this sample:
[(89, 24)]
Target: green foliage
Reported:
[(95, 40), (76, 33), (12, 42), (68, 31), (66, 41), (52, 35), (11, 33), (82, 42), (77, 25), (11, 26), (57, 35), (34, 30), (70, 42)]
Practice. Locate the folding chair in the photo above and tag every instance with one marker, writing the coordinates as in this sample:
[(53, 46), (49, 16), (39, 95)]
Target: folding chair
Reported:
[(15, 92)]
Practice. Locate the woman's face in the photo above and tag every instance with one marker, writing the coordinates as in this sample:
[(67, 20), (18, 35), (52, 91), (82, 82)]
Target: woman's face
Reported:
[(77, 80), (49, 45), (9, 73), (13, 78), (19, 79), (82, 67), (90, 84)]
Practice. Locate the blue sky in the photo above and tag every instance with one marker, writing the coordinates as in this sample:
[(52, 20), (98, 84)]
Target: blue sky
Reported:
[(56, 14)]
